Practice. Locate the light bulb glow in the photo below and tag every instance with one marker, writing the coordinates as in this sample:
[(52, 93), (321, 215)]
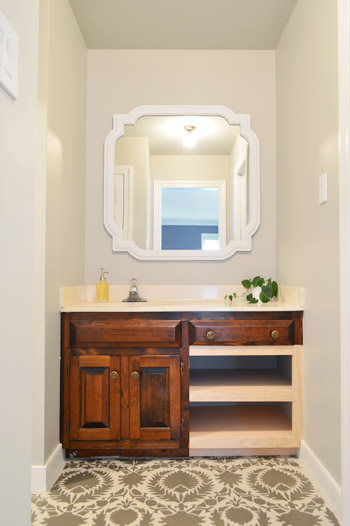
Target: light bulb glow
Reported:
[(189, 141)]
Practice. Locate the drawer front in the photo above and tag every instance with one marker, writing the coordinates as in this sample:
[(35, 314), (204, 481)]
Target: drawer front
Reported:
[(242, 332), (126, 333)]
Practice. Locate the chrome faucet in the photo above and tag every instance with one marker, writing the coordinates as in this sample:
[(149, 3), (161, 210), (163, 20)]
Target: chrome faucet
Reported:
[(134, 294)]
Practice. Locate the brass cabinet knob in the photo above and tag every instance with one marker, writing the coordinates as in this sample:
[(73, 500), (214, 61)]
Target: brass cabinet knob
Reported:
[(135, 375), (275, 334), (210, 335), (114, 375)]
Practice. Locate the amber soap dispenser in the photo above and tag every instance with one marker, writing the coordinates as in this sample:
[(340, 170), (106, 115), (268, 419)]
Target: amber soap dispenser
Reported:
[(102, 287)]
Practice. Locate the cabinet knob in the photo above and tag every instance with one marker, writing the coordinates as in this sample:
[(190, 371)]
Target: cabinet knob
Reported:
[(114, 375), (275, 334), (135, 375), (210, 335)]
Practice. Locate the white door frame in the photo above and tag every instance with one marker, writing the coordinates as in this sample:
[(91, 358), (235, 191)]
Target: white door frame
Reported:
[(344, 241), (123, 188), (240, 196)]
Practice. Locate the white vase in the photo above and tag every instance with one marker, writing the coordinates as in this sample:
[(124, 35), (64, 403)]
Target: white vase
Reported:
[(256, 293)]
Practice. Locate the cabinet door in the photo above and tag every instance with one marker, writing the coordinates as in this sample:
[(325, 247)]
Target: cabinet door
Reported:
[(155, 397), (95, 398)]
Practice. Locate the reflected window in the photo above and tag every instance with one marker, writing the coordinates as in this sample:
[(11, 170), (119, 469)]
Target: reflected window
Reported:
[(189, 215)]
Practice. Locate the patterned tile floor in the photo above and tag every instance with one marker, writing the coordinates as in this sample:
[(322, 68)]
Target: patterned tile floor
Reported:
[(257, 491)]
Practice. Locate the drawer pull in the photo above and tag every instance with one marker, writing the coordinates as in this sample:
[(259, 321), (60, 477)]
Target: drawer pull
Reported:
[(210, 335), (114, 375), (275, 334), (135, 375)]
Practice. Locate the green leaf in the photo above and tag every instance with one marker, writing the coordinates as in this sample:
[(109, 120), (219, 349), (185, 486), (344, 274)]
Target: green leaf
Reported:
[(234, 295), (274, 288), (230, 297), (258, 281), (267, 290), (247, 283), (251, 299), (264, 298)]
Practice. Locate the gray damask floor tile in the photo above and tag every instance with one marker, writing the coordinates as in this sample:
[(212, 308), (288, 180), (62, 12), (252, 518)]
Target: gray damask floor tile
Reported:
[(258, 491)]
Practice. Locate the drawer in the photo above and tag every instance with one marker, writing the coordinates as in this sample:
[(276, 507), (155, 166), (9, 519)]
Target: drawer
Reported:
[(242, 332), (125, 333)]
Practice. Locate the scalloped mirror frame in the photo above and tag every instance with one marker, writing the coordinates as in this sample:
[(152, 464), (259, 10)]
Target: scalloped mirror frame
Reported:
[(118, 242)]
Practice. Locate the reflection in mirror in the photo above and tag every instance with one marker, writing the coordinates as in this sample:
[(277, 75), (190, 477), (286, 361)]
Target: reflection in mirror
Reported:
[(186, 211), (185, 186), (187, 216)]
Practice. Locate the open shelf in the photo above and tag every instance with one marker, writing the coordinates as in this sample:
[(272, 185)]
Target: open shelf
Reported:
[(240, 426), (245, 399), (239, 385)]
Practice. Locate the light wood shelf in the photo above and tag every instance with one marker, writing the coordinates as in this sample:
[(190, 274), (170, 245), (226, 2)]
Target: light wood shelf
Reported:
[(259, 427), (239, 385), (243, 350), (240, 426)]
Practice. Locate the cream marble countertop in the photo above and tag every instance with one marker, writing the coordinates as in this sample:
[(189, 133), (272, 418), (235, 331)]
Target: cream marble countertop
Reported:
[(176, 298), (174, 306)]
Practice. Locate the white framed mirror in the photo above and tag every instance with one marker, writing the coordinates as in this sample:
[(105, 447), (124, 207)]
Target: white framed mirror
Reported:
[(181, 183)]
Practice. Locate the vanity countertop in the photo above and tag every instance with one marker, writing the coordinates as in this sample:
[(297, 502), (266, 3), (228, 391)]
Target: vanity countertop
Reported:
[(82, 299), (171, 306)]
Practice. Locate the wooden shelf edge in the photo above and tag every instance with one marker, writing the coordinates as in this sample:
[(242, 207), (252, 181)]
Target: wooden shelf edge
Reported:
[(263, 395), (242, 452), (240, 385), (248, 441), (243, 350)]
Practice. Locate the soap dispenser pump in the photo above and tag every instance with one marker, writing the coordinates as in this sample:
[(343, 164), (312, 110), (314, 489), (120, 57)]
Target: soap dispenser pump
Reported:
[(102, 287)]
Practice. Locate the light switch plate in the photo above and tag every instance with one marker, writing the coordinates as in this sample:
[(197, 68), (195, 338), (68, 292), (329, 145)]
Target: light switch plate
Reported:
[(323, 188), (8, 58)]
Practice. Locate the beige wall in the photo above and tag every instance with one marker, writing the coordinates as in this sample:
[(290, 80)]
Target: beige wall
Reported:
[(62, 103), (189, 167), (18, 123), (120, 80), (307, 233), (134, 151)]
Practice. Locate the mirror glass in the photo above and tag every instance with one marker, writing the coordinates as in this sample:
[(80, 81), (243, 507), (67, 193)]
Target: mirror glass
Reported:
[(181, 184), (188, 216)]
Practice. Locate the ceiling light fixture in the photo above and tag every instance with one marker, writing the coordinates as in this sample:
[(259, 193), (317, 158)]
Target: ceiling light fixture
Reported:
[(189, 141)]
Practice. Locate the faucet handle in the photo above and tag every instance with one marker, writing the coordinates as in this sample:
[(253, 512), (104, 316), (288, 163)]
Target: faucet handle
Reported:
[(133, 284)]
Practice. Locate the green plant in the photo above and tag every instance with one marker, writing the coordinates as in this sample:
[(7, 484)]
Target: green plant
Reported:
[(269, 290)]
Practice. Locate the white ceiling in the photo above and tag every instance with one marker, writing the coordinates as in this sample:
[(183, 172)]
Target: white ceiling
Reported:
[(214, 135), (182, 24)]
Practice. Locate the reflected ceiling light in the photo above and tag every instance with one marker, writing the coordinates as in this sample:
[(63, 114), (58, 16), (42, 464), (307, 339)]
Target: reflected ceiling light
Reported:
[(189, 141)]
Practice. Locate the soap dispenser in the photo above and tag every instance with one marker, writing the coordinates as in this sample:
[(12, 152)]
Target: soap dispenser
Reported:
[(102, 287)]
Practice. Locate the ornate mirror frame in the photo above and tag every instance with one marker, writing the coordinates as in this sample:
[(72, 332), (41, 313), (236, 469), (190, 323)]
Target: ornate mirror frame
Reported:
[(118, 242)]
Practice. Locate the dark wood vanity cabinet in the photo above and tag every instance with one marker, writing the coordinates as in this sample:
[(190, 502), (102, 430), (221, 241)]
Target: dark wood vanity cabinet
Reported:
[(94, 397), (125, 376), (122, 386)]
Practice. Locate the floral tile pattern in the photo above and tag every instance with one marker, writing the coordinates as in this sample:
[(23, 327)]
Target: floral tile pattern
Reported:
[(254, 491)]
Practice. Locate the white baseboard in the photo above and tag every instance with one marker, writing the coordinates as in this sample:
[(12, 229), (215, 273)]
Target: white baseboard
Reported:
[(43, 477), (322, 478)]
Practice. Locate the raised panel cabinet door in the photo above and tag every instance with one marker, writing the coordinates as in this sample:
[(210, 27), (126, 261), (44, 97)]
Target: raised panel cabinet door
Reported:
[(155, 399), (95, 398)]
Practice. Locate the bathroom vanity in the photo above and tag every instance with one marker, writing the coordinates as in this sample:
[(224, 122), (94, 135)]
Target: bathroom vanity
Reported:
[(179, 376), (177, 380)]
